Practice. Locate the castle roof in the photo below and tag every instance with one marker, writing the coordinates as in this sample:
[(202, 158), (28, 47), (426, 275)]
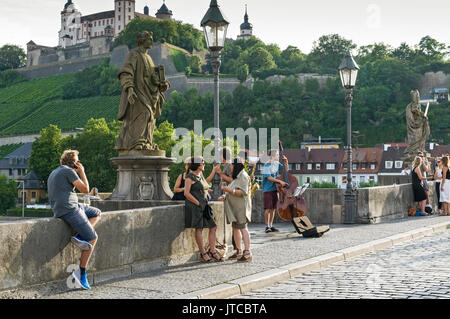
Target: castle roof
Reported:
[(164, 10), (246, 25), (68, 3), (98, 16)]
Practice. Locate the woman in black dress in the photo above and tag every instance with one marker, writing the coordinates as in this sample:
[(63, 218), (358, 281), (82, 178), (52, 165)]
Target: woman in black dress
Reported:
[(196, 190), (418, 189)]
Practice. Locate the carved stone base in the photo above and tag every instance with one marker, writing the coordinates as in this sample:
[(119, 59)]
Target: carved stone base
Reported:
[(142, 177)]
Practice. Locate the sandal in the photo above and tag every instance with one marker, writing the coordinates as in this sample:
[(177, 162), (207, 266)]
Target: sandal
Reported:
[(236, 255), (215, 256), (246, 257), (203, 259)]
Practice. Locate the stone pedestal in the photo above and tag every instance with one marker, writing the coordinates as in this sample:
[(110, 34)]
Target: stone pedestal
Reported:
[(142, 175)]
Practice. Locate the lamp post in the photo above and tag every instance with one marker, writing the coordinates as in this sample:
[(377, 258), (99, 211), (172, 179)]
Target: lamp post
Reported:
[(215, 26), (348, 71)]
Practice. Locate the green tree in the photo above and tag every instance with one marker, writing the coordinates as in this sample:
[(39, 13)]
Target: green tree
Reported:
[(260, 59), (10, 77), (195, 63), (242, 72), (430, 50), (8, 193), (291, 57), (328, 53), (96, 146), (12, 57), (46, 151), (173, 32)]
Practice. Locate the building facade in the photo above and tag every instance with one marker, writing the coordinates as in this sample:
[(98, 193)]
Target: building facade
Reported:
[(88, 35)]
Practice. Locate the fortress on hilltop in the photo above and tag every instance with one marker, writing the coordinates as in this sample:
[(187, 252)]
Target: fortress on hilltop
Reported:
[(89, 35)]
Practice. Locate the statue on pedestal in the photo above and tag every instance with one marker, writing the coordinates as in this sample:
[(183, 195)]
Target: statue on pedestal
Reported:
[(142, 169), (417, 127), (142, 97)]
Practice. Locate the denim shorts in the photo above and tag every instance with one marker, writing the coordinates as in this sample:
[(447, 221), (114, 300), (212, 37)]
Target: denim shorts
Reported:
[(79, 221)]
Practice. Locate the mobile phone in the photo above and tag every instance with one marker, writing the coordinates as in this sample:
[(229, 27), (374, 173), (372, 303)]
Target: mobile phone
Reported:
[(72, 164)]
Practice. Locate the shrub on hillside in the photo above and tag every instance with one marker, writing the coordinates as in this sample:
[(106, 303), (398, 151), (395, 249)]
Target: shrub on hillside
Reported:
[(10, 77)]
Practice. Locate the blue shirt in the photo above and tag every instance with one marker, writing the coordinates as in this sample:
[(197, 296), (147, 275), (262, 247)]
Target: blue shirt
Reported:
[(273, 170)]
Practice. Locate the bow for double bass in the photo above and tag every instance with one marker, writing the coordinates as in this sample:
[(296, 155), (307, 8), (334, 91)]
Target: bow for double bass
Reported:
[(290, 203)]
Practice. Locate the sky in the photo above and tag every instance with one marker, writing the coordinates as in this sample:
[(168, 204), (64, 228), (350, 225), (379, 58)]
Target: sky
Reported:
[(284, 22)]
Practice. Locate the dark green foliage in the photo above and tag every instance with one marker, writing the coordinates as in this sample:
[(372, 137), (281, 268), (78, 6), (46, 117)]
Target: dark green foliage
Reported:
[(29, 212), (368, 184), (179, 59), (174, 32), (323, 185), (10, 77), (96, 146), (12, 57), (99, 80), (8, 193), (46, 152)]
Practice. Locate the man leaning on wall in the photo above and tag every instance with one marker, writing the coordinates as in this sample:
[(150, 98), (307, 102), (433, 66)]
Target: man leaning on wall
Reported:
[(80, 217)]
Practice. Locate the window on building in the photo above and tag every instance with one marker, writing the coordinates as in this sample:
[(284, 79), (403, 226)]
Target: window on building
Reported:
[(129, 9), (331, 166), (363, 166), (129, 18), (119, 9), (333, 179), (309, 166), (290, 167), (308, 179), (95, 23), (119, 27), (371, 178), (118, 18), (372, 166), (95, 34), (298, 167), (33, 194), (398, 164), (354, 166), (10, 172), (388, 164), (317, 166), (362, 179)]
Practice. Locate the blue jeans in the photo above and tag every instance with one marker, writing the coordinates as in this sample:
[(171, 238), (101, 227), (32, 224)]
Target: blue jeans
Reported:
[(79, 221)]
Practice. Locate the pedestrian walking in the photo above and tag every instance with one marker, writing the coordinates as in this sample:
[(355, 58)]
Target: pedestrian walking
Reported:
[(238, 209), (196, 208)]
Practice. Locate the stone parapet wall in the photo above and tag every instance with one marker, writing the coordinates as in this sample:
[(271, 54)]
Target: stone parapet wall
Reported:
[(373, 204), (36, 251)]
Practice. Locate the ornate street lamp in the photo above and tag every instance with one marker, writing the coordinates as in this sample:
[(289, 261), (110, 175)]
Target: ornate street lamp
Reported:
[(348, 71), (215, 26)]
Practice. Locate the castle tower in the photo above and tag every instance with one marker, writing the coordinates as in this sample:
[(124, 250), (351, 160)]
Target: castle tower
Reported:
[(246, 28), (70, 33), (164, 13), (124, 13)]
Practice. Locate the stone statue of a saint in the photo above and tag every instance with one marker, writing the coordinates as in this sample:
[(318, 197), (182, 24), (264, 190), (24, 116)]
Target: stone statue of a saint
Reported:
[(142, 97), (417, 127)]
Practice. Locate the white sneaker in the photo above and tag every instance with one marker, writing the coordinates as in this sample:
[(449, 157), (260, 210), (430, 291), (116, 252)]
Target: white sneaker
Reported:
[(82, 244)]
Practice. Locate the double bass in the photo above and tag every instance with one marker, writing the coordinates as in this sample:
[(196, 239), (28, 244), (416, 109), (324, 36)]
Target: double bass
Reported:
[(290, 203)]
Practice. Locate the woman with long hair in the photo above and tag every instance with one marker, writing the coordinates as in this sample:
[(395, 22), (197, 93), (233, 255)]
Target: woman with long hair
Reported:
[(437, 183), (196, 191), (445, 185), (238, 209), (419, 192)]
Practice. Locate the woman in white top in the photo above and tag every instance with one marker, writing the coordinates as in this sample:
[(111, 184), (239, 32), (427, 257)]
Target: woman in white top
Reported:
[(445, 185), (438, 178)]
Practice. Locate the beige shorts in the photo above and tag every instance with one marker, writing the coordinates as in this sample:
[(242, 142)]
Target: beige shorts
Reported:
[(238, 226)]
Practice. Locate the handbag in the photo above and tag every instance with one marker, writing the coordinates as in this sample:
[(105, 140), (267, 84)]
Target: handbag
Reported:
[(207, 212)]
